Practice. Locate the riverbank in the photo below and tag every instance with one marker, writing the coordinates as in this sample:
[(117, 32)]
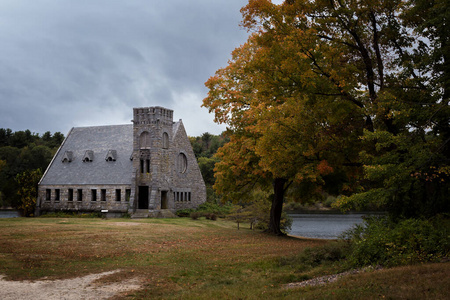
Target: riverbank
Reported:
[(330, 211)]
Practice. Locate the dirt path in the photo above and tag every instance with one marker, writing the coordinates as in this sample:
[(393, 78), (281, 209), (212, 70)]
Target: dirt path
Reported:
[(75, 288)]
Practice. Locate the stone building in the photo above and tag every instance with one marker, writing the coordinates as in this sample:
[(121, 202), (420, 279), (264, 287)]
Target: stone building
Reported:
[(147, 168)]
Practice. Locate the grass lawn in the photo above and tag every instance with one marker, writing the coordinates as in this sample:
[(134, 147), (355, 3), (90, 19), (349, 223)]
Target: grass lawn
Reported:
[(187, 259)]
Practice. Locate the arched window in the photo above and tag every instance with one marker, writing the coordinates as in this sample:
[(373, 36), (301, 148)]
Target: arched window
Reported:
[(182, 163), (144, 140), (165, 140)]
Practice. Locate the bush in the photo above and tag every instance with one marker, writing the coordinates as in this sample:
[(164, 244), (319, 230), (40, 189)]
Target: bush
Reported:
[(195, 215), (213, 208), (185, 212), (332, 253), (210, 216), (71, 214), (380, 241), (329, 201)]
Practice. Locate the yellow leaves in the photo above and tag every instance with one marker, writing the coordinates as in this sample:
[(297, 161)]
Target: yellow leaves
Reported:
[(436, 174)]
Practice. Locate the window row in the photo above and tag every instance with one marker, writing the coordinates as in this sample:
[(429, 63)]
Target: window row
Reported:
[(182, 196), (78, 195)]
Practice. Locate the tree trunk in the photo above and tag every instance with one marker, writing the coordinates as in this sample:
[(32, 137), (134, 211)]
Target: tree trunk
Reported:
[(277, 205)]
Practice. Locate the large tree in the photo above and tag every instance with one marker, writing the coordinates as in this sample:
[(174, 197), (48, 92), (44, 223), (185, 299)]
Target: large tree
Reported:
[(325, 87)]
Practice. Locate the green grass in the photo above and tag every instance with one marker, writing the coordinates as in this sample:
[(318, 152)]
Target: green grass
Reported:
[(195, 259)]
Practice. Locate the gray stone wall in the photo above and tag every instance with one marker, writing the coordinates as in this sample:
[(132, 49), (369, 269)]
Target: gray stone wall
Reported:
[(61, 200), (187, 176)]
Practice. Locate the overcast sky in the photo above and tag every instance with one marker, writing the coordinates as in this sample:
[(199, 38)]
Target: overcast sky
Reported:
[(66, 63)]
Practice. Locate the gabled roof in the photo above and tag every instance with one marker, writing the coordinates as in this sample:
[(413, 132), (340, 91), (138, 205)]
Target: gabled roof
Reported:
[(95, 143), (175, 127)]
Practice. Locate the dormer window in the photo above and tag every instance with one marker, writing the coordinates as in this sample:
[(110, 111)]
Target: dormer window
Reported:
[(88, 156), (111, 156), (67, 157)]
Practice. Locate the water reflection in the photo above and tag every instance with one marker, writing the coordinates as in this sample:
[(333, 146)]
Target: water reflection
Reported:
[(323, 226), (9, 214)]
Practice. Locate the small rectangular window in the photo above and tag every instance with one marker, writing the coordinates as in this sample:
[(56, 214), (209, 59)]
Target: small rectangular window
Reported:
[(80, 195), (93, 195), (189, 196), (57, 195), (70, 195), (127, 195), (148, 165), (48, 194), (118, 194), (103, 195), (142, 166)]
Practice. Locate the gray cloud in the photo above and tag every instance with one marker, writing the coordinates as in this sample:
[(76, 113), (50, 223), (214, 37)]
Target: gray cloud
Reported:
[(67, 63)]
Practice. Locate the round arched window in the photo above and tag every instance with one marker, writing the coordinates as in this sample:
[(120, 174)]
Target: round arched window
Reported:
[(144, 140), (165, 140), (182, 163)]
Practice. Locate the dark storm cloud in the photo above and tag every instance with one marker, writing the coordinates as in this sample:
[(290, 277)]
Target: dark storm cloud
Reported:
[(80, 63)]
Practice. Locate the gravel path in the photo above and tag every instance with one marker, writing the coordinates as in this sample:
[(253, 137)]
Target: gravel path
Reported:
[(326, 279), (73, 289)]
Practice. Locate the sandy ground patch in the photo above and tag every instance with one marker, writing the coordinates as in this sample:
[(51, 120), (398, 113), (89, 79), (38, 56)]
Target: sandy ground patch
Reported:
[(75, 288)]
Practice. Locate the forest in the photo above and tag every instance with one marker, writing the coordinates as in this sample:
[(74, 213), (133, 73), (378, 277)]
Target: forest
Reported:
[(23, 151)]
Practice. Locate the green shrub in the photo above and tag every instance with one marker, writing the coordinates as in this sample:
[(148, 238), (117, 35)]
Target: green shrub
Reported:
[(330, 252), (329, 201), (217, 209), (312, 257), (210, 216), (184, 212), (195, 215), (71, 214), (293, 206), (380, 241)]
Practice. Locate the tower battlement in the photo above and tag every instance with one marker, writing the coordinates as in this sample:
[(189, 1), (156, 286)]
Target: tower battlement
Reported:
[(152, 115)]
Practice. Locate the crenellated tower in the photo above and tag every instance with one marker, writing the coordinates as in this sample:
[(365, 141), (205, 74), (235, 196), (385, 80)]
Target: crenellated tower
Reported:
[(152, 153)]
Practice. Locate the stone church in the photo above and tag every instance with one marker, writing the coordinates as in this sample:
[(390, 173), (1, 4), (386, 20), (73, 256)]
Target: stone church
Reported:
[(147, 168)]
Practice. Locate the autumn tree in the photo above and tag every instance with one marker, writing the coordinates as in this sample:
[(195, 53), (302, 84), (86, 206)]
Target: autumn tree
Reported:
[(335, 87)]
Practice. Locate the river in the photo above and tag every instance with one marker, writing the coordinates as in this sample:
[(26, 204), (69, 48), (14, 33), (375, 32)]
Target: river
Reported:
[(323, 226), (9, 214)]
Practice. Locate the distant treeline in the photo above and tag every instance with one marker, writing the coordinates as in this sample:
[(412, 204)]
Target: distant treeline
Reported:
[(205, 146), (22, 151)]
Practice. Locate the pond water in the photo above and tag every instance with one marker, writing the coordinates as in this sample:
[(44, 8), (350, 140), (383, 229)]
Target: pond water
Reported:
[(323, 226), (9, 214)]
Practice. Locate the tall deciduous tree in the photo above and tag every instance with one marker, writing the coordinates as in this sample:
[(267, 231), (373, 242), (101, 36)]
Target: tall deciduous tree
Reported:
[(325, 87)]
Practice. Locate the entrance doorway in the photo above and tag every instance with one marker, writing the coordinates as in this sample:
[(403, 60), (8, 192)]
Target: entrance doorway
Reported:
[(143, 197), (164, 204)]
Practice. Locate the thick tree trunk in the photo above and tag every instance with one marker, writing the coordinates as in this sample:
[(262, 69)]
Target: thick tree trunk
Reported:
[(277, 205)]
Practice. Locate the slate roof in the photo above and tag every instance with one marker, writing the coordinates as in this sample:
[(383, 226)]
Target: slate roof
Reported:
[(100, 140)]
